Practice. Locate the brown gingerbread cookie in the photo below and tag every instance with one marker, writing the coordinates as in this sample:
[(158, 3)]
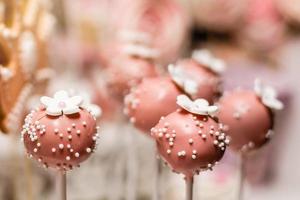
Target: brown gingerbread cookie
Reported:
[(23, 56)]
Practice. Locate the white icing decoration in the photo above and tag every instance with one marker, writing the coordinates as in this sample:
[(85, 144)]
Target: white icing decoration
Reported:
[(183, 80), (61, 104), (86, 103), (132, 36), (205, 58), (140, 50), (28, 52), (268, 95), (199, 106), (5, 73)]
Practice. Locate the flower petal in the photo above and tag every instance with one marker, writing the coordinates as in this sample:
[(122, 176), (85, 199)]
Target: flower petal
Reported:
[(61, 95), (205, 58), (75, 100), (53, 111), (47, 101), (273, 103), (199, 106), (70, 109), (183, 80)]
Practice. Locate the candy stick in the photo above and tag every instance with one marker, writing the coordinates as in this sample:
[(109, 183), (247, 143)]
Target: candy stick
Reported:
[(189, 187)]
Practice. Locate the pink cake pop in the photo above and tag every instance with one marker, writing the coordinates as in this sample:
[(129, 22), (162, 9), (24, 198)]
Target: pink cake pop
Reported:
[(165, 20), (151, 99), (247, 116), (62, 133), (190, 140), (200, 76), (129, 69)]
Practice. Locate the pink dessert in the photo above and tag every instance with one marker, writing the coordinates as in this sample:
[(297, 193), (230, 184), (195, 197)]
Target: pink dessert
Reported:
[(62, 133), (199, 76), (190, 140), (128, 69), (151, 99), (247, 117)]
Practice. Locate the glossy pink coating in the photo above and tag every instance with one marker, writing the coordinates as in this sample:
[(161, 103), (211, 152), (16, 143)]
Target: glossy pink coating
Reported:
[(247, 120), (189, 143), (208, 81), (151, 99), (60, 142), (128, 71)]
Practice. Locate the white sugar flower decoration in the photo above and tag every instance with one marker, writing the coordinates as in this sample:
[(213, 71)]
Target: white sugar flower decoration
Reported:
[(268, 95), (61, 104), (205, 58), (140, 50), (133, 36), (183, 80), (86, 102), (199, 106)]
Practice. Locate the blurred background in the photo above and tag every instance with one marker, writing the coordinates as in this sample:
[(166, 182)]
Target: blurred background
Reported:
[(73, 44)]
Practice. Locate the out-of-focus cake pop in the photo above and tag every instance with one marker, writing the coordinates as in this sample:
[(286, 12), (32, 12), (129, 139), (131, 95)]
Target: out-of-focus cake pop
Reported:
[(227, 14), (190, 140), (247, 116), (61, 133), (264, 28), (151, 99), (290, 10), (129, 69), (165, 21), (199, 76)]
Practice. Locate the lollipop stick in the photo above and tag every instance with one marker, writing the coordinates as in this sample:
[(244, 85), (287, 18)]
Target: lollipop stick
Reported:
[(62, 185), (158, 171), (189, 187), (242, 176)]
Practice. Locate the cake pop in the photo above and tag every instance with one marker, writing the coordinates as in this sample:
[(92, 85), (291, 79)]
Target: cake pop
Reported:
[(61, 133), (248, 120), (248, 117), (129, 69), (190, 139), (160, 19), (228, 14), (199, 76), (151, 99)]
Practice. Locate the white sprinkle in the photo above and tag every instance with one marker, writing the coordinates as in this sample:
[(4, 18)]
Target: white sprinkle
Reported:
[(73, 125), (69, 129), (194, 152), (76, 154), (35, 150), (70, 137), (191, 141), (78, 132), (68, 158), (132, 120), (38, 144), (194, 156), (61, 146), (84, 123), (169, 151), (68, 146), (88, 150), (53, 150)]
